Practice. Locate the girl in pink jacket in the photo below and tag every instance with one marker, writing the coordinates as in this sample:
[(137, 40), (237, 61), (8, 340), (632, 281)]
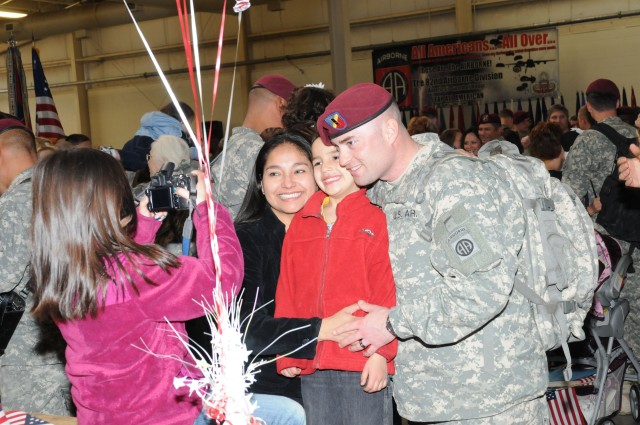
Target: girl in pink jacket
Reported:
[(111, 291)]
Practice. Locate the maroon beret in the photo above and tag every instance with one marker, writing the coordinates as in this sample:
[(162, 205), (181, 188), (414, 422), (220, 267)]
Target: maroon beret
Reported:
[(520, 116), (490, 119), (354, 107), (7, 124), (604, 86), (276, 84)]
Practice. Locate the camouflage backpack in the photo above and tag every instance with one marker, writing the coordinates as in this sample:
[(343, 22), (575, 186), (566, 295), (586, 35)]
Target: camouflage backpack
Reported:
[(558, 262)]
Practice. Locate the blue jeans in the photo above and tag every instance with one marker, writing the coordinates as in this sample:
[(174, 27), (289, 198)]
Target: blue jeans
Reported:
[(336, 397), (272, 409)]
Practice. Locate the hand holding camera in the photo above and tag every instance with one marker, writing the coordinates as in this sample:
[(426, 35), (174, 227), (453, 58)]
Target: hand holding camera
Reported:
[(173, 192), (200, 189)]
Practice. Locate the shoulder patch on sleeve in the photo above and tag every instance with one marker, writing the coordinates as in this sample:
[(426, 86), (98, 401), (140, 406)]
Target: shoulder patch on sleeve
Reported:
[(463, 243)]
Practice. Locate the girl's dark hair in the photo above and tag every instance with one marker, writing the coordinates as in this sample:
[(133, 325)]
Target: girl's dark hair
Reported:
[(304, 107), (473, 130), (449, 136), (254, 203), (80, 197)]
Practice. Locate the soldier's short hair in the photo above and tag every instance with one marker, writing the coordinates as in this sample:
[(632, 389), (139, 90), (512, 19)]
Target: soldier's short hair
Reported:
[(15, 135), (602, 102), (506, 113)]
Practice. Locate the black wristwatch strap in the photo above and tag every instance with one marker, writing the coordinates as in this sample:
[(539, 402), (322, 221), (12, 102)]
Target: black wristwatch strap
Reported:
[(390, 328)]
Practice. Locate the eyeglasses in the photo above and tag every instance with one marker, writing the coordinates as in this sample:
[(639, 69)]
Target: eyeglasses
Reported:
[(148, 156)]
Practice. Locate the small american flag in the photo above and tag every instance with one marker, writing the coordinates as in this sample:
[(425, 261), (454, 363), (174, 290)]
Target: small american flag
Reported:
[(47, 120), (564, 408), (18, 417)]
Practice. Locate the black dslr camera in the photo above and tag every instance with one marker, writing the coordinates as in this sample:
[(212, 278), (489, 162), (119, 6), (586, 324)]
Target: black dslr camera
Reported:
[(162, 189), (12, 306)]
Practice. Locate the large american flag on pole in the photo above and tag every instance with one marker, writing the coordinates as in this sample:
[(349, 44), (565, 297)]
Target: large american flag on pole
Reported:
[(47, 120)]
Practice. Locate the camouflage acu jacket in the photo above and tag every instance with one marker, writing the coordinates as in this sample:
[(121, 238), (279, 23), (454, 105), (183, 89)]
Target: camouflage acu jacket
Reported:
[(15, 221), (15, 251), (242, 149), (592, 159), (466, 347)]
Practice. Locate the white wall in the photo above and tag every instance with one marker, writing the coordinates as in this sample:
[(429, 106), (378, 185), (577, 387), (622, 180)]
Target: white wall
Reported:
[(600, 50), (587, 51)]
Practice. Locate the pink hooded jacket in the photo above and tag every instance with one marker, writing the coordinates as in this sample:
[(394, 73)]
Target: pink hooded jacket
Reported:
[(113, 380)]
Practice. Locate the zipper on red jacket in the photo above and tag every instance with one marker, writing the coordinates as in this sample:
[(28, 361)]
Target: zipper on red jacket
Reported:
[(325, 253)]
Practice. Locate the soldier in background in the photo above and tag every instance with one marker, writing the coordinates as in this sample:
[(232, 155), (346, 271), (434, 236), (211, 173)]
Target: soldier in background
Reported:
[(590, 161), (490, 128), (267, 101), (593, 154), (455, 231), (30, 381)]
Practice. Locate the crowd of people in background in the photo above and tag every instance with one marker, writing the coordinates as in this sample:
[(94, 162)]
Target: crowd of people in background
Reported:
[(301, 176)]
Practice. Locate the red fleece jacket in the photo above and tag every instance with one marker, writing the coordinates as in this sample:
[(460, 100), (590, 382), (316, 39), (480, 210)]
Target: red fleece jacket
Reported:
[(322, 272)]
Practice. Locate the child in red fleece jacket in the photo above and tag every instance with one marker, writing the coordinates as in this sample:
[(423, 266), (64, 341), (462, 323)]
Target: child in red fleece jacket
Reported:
[(335, 253)]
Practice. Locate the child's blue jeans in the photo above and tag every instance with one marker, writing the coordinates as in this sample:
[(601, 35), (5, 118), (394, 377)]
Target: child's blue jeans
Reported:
[(336, 397)]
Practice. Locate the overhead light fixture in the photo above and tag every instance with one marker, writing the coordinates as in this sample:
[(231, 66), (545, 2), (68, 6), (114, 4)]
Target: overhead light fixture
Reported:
[(11, 15)]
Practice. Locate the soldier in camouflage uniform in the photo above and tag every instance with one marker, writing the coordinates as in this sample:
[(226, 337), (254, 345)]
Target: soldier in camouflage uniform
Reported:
[(590, 161), (466, 353), (29, 381), (490, 128), (267, 101)]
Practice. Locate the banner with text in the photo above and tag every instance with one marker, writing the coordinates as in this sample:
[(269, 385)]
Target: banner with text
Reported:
[(502, 70)]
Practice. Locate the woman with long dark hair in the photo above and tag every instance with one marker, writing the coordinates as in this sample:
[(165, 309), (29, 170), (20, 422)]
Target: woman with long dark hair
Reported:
[(111, 291), (281, 183)]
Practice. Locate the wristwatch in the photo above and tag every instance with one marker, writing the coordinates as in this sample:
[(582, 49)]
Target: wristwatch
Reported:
[(390, 328)]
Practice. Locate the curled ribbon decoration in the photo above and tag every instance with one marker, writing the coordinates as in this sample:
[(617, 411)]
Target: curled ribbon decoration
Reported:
[(241, 6)]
